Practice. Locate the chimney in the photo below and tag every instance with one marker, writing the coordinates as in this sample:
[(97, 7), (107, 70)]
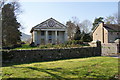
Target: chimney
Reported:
[(101, 24)]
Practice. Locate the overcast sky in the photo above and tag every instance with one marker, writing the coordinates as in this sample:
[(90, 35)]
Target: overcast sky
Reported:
[(37, 12)]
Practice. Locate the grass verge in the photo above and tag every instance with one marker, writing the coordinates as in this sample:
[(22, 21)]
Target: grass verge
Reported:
[(49, 46), (92, 67)]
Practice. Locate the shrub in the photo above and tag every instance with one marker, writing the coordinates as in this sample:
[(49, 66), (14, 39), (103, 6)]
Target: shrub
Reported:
[(46, 46), (74, 42), (32, 44), (42, 46), (12, 46)]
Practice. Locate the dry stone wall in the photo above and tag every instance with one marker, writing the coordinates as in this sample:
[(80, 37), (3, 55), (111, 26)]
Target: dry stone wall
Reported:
[(22, 56)]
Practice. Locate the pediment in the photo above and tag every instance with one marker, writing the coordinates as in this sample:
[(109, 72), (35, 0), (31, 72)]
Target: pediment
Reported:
[(50, 23)]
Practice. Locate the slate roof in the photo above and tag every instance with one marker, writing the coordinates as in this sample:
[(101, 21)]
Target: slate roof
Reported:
[(109, 27), (112, 27)]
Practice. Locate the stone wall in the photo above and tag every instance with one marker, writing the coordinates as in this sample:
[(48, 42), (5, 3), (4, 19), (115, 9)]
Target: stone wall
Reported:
[(98, 33), (109, 48), (22, 56)]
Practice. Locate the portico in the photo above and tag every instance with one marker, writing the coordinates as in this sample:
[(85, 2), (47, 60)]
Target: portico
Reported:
[(49, 33)]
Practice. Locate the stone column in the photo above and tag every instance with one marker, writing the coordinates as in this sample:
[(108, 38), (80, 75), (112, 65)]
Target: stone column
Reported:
[(52, 37), (56, 37), (35, 37), (117, 42), (46, 37), (39, 36), (65, 36)]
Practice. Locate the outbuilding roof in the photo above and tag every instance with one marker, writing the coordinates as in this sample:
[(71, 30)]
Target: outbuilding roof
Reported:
[(109, 27), (112, 27)]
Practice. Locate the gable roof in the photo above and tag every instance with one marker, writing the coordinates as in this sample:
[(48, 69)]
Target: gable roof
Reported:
[(96, 27), (108, 27), (44, 24), (112, 27)]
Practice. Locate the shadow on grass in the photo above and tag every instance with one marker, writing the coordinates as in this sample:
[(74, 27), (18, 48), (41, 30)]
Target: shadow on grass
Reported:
[(45, 71), (58, 77), (55, 79), (5, 64), (54, 76)]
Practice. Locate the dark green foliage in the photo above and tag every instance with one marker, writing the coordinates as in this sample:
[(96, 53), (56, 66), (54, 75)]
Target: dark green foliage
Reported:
[(97, 21), (67, 44), (10, 26), (85, 37), (74, 42), (77, 34)]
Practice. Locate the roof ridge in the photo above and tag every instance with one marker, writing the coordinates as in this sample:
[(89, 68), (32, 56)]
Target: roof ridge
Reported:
[(46, 21)]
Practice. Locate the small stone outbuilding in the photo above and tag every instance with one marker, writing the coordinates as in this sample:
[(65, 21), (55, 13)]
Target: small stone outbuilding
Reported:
[(106, 33)]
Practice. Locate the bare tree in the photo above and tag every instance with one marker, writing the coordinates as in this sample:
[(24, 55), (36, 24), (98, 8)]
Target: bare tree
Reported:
[(71, 29), (112, 19), (75, 20), (86, 26), (17, 6), (2, 3), (72, 26)]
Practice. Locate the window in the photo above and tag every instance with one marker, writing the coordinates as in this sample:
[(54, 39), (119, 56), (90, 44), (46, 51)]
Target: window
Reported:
[(42, 41), (117, 33), (42, 33), (58, 33), (111, 33), (51, 23), (50, 40), (50, 32)]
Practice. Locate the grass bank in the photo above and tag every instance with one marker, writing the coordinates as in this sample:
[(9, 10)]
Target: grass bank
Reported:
[(49, 46), (92, 67)]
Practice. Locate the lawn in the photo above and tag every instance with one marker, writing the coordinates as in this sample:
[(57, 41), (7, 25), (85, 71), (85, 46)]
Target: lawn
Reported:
[(48, 46), (92, 67), (68, 44)]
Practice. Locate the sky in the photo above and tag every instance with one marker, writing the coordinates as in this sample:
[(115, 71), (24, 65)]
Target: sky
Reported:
[(34, 13)]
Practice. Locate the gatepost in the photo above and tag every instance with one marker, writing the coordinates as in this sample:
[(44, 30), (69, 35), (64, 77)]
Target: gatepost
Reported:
[(98, 45)]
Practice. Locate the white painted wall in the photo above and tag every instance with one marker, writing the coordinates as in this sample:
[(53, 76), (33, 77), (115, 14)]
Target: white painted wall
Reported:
[(37, 37), (61, 37)]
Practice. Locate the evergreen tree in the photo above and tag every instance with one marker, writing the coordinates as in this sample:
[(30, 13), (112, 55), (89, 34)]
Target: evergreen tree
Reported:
[(85, 37), (97, 21), (10, 26), (77, 34)]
